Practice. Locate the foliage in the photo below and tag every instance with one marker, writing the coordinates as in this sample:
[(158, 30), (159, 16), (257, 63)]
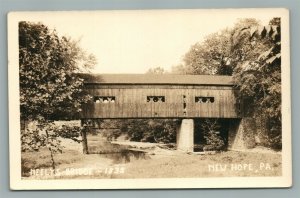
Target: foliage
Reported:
[(46, 134), (49, 90), (259, 78), (212, 131), (207, 57), (216, 55), (111, 134), (156, 70), (181, 69), (251, 53), (69, 132), (145, 130)]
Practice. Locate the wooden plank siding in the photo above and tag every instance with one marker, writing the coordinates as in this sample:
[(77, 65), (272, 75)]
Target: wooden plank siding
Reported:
[(131, 101)]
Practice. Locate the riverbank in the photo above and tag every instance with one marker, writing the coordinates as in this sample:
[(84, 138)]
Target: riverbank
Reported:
[(146, 160)]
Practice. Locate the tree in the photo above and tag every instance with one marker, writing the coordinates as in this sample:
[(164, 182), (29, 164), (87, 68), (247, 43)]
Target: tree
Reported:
[(49, 90), (212, 135), (259, 78), (251, 53), (150, 130), (156, 70), (47, 63), (181, 69), (207, 57), (216, 55)]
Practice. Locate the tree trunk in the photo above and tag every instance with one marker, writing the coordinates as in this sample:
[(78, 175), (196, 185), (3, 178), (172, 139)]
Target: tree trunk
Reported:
[(52, 159), (51, 152), (84, 141)]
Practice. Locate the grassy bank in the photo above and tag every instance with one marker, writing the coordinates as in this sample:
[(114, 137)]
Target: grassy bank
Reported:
[(113, 161), (229, 164)]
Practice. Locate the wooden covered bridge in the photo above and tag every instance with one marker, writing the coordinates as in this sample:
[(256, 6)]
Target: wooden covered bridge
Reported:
[(185, 97)]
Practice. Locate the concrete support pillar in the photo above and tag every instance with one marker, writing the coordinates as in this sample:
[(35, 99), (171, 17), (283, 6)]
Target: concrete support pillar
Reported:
[(185, 136)]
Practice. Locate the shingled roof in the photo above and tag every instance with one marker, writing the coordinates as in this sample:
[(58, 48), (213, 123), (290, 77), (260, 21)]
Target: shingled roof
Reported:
[(144, 79)]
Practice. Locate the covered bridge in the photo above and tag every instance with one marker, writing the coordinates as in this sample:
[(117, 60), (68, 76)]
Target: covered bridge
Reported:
[(161, 96)]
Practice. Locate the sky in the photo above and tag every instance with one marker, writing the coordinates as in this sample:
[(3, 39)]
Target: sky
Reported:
[(134, 41)]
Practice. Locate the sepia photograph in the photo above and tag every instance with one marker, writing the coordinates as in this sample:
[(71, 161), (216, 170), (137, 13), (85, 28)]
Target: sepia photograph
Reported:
[(149, 99)]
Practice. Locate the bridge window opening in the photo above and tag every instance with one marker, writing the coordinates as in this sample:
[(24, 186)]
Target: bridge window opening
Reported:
[(104, 99), (201, 99), (155, 98)]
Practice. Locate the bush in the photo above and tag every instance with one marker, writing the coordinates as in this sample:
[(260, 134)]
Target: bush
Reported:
[(274, 135), (151, 130), (212, 135)]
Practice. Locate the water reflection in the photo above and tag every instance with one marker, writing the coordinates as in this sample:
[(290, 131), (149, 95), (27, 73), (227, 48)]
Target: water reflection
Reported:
[(116, 152), (126, 156)]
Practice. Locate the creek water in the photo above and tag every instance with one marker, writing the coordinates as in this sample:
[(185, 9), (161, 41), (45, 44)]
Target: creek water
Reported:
[(117, 153), (126, 156)]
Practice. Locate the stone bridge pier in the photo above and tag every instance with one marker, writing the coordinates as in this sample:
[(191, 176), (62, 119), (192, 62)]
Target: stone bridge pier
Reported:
[(185, 136)]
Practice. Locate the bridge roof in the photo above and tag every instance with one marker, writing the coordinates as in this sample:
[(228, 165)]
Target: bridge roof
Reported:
[(156, 79)]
